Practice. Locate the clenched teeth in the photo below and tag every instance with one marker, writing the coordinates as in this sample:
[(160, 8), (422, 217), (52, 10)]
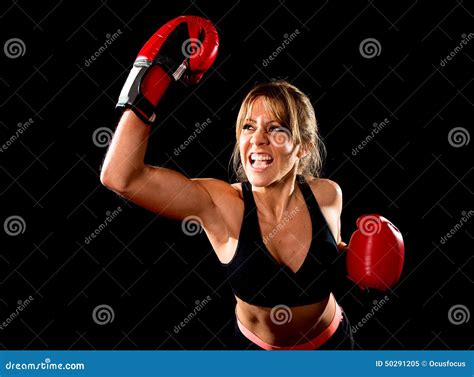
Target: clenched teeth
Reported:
[(260, 157)]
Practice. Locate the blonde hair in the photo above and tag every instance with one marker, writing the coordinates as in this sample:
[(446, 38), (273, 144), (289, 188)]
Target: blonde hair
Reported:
[(293, 109)]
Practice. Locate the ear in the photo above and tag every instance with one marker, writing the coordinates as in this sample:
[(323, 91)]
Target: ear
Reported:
[(303, 151)]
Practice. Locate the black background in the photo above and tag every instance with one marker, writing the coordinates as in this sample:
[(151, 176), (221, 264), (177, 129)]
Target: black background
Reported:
[(144, 267)]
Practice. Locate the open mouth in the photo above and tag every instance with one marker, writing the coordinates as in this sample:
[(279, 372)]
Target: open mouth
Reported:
[(260, 161)]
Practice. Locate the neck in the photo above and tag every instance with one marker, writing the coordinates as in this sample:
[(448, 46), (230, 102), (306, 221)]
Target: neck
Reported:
[(277, 198)]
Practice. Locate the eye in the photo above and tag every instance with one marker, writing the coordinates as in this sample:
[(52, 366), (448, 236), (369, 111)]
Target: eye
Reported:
[(247, 126), (278, 129)]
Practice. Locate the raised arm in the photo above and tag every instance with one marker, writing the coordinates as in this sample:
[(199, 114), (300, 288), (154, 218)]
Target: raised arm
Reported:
[(163, 191), (167, 56)]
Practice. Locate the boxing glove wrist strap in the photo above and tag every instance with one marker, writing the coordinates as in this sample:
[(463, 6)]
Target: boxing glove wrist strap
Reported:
[(131, 96)]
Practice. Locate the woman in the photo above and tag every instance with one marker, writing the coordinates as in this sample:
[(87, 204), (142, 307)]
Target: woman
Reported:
[(277, 232), (283, 283)]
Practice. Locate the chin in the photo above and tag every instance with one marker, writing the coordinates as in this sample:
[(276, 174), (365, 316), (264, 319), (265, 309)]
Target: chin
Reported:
[(255, 179), (258, 182), (267, 178), (261, 179)]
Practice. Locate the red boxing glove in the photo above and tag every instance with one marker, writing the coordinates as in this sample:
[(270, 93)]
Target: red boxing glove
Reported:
[(186, 45), (375, 253)]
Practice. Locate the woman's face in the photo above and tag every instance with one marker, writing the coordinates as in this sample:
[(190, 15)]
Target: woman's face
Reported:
[(266, 149)]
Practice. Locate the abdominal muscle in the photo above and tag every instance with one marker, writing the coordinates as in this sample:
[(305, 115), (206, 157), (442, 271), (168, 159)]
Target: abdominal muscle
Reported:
[(307, 321)]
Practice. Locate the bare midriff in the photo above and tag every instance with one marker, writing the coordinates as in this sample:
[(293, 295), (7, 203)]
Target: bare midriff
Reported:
[(291, 326)]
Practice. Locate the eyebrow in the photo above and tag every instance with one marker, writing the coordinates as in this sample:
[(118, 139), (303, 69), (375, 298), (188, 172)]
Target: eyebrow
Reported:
[(253, 121)]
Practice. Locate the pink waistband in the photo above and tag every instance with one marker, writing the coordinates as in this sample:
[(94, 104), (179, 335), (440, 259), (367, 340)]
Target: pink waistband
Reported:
[(313, 344)]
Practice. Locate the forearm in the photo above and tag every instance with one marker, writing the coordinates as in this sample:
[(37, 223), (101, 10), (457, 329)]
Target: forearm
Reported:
[(126, 153)]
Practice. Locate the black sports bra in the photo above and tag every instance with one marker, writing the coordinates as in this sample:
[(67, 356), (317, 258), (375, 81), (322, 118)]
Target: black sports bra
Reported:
[(257, 278)]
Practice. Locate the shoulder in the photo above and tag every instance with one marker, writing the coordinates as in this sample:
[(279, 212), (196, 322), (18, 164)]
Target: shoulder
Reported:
[(329, 196), (327, 192), (238, 189)]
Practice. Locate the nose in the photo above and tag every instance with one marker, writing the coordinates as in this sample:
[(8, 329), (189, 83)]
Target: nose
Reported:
[(259, 137)]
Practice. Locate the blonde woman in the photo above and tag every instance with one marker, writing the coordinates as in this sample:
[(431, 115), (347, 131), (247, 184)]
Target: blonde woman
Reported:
[(276, 231)]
